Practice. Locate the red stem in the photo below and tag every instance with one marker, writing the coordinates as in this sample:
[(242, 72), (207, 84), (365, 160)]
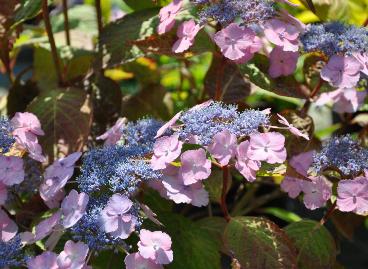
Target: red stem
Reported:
[(328, 214)]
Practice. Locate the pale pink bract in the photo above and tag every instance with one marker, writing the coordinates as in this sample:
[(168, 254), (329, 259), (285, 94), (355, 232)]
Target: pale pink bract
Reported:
[(247, 167), (282, 63), (11, 170), (165, 150), (186, 34), (282, 34), (291, 127), (167, 16), (46, 260), (352, 195), (136, 261), (73, 208), (223, 146), (269, 147), (316, 192), (342, 71), (8, 228), (155, 246), (113, 135), (194, 166), (73, 256)]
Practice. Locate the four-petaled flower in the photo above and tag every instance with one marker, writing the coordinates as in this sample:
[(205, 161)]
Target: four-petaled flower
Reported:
[(186, 34), (223, 146), (282, 34), (247, 167), (155, 246), (11, 170), (282, 63), (352, 195), (73, 208), (167, 16), (194, 166), (316, 192), (116, 218), (165, 150), (73, 256)]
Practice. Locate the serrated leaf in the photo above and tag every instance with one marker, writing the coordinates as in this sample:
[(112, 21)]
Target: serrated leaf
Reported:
[(258, 243), (256, 71), (193, 246), (215, 227), (224, 82), (66, 117), (316, 247)]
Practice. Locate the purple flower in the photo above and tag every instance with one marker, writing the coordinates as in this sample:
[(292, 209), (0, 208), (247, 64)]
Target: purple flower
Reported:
[(291, 185), (269, 147), (234, 41), (135, 261), (167, 16), (302, 162), (155, 246), (73, 208), (3, 194), (282, 63), (11, 170), (247, 167), (282, 34), (256, 46), (165, 150), (8, 228), (177, 191), (113, 135), (223, 146), (342, 71), (46, 260), (186, 34), (363, 59), (57, 175), (115, 217), (73, 255), (352, 195), (194, 166), (316, 192), (344, 100)]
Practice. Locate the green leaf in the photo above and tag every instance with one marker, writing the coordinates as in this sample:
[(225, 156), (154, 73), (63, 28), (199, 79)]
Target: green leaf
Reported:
[(144, 4), (193, 246), (214, 186), (215, 227), (256, 71), (258, 243), (224, 79), (27, 10), (282, 214), (66, 118), (116, 37), (316, 247)]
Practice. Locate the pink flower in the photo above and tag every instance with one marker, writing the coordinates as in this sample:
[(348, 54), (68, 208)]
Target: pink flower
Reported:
[(291, 185), (247, 167), (168, 124), (115, 217), (289, 19), (3, 194), (202, 105), (352, 195), (282, 34), (135, 261), (150, 214), (291, 127), (282, 63), (155, 246), (73, 255), (167, 16), (57, 175), (178, 192), (45, 227), (73, 208), (342, 71), (113, 135), (234, 41), (8, 228), (316, 192), (194, 166), (302, 162), (55, 201), (256, 46), (46, 260), (165, 150), (344, 100), (27, 123), (11, 170), (26, 129), (363, 59), (267, 147), (223, 146), (186, 34)]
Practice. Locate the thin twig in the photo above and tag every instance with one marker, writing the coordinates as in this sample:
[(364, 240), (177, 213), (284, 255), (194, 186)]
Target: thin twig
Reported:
[(99, 16), (315, 91), (225, 182), (328, 214), (55, 57), (66, 22)]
